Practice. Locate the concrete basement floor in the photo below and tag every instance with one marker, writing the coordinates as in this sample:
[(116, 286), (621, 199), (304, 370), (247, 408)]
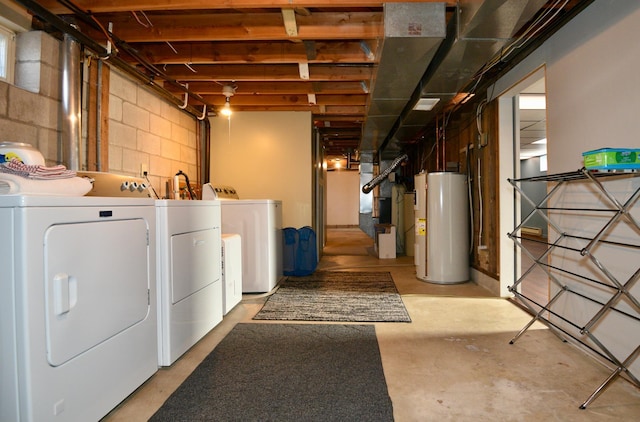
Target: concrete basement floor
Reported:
[(452, 363)]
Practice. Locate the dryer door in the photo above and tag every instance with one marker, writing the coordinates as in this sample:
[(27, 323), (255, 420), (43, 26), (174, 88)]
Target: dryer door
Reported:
[(97, 284), (193, 262)]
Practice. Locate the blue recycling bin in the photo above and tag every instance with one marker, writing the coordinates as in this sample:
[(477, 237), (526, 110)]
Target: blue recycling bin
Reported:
[(290, 244), (307, 252), (300, 252)]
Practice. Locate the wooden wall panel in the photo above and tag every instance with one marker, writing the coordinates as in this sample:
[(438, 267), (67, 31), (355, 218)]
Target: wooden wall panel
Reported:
[(98, 156)]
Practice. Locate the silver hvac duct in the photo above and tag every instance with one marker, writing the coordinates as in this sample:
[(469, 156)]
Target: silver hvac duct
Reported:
[(412, 34), (479, 31), (380, 178), (70, 103)]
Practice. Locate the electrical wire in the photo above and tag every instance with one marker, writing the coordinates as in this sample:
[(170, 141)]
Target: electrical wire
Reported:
[(423, 161), (78, 11), (146, 177), (470, 193), (135, 16), (90, 19), (536, 26), (480, 205), (108, 34), (172, 48), (149, 24), (479, 111), (533, 29)]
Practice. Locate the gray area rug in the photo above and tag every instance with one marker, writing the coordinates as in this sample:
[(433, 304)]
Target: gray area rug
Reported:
[(338, 296), (286, 372)]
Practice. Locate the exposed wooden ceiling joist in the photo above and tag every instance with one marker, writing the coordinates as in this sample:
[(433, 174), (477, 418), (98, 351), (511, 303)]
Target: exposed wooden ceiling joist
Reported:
[(256, 52), (274, 72), (103, 6), (259, 47), (208, 25), (278, 88)]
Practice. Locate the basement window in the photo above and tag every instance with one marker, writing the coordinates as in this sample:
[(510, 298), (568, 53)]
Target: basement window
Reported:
[(7, 54)]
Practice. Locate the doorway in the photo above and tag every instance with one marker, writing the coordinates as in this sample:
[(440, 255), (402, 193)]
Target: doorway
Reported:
[(522, 111), (532, 159)]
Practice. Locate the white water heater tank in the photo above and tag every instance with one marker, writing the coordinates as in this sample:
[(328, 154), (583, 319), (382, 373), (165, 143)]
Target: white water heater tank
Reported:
[(447, 228)]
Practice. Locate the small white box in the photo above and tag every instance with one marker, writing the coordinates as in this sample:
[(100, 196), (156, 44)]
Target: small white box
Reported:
[(386, 243)]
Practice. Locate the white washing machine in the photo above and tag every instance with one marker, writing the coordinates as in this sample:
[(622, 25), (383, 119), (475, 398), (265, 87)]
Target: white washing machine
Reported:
[(259, 224), (231, 271), (190, 301), (78, 305)]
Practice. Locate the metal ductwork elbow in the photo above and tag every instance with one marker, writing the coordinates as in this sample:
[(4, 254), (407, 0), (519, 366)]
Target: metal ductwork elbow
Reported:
[(379, 178)]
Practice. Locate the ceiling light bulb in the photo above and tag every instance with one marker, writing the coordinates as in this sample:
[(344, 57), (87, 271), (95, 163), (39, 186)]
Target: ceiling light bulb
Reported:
[(226, 109)]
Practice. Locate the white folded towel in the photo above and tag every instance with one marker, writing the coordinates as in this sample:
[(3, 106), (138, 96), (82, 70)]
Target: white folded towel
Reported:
[(36, 171), (16, 185)]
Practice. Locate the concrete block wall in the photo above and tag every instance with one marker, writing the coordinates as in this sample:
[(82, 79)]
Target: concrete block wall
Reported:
[(147, 132), (29, 110), (38, 63)]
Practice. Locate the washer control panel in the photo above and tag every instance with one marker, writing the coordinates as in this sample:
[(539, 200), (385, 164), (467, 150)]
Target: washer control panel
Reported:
[(115, 185), (210, 191)]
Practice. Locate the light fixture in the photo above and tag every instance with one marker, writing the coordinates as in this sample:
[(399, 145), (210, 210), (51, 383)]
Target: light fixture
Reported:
[(526, 154), (226, 109), (426, 104), (228, 91), (532, 102), (542, 141)]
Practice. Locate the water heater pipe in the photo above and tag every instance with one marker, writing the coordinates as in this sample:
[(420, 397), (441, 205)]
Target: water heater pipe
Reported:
[(380, 178)]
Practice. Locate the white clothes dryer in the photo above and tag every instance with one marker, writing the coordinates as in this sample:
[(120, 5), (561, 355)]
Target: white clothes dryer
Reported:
[(190, 300), (78, 305), (259, 224)]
